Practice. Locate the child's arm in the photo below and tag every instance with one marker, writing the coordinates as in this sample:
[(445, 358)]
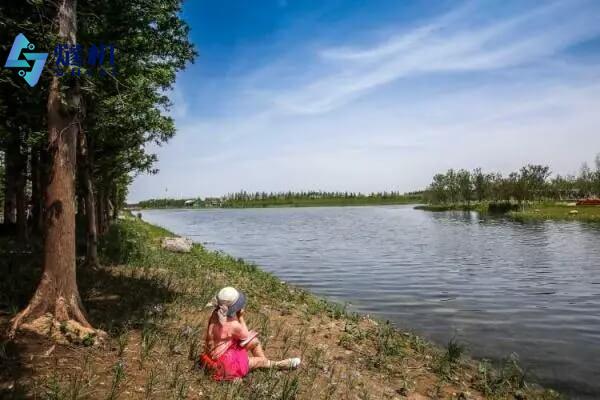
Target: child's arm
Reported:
[(241, 332), (241, 319)]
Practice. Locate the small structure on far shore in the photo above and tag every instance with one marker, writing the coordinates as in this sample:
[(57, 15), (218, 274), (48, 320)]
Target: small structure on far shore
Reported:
[(213, 202)]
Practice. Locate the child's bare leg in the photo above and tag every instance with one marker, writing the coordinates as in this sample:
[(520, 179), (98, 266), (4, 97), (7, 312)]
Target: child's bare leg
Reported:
[(263, 362), (258, 362), (256, 349)]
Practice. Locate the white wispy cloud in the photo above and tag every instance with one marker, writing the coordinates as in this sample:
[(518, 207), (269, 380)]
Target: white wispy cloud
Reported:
[(454, 42)]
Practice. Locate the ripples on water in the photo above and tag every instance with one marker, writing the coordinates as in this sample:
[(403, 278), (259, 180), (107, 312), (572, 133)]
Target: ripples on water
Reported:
[(499, 286)]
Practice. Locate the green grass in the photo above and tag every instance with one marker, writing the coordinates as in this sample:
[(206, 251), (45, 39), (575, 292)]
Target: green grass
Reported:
[(557, 212), (532, 211)]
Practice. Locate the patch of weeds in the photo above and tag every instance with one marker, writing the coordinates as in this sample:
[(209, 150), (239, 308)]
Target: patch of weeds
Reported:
[(352, 335), (315, 362), (178, 383), (194, 346), (278, 328), (315, 306), (261, 323), (447, 362), (149, 340), (354, 317), (287, 342), (454, 351), (118, 377), (388, 343), (504, 379), (150, 385), (54, 390), (388, 340), (72, 388), (290, 388), (78, 385), (122, 342), (332, 387), (336, 310), (417, 343)]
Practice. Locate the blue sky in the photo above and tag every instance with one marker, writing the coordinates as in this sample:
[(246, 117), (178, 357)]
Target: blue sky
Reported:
[(378, 95)]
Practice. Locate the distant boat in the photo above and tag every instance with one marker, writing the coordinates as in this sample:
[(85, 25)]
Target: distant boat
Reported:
[(589, 202)]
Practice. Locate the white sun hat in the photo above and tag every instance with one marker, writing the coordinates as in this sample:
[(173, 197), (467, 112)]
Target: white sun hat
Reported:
[(232, 298)]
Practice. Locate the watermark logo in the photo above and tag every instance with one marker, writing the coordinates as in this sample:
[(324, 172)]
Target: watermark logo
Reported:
[(72, 59), (30, 73)]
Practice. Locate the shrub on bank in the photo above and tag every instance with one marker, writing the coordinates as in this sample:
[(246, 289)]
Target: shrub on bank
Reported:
[(124, 243), (502, 207)]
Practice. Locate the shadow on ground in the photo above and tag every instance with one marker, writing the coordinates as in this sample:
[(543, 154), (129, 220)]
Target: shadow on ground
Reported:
[(114, 299)]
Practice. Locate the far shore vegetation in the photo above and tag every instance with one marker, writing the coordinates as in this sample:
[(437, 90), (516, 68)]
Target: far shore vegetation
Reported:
[(531, 193), (152, 305), (244, 199)]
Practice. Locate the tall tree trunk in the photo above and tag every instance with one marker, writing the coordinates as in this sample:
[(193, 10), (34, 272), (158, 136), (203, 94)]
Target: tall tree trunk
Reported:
[(10, 181), (107, 209), (36, 191), (20, 197), (57, 292), (85, 168), (100, 212), (115, 204)]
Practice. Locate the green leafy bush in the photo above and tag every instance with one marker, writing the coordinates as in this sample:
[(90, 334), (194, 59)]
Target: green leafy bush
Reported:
[(124, 243)]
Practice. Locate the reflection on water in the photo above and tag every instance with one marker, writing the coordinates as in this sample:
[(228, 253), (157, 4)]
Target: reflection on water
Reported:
[(499, 286)]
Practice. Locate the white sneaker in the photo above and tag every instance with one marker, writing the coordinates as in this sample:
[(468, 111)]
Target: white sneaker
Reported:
[(294, 362)]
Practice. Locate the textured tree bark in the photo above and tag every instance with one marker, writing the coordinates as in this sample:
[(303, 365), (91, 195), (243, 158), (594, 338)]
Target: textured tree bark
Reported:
[(100, 212), (85, 168), (57, 292), (107, 208), (10, 182), (20, 198), (36, 191), (115, 204)]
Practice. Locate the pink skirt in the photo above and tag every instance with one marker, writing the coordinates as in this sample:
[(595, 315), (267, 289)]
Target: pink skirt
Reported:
[(232, 364)]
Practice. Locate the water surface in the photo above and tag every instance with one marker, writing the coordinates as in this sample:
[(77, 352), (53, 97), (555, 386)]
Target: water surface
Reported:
[(498, 286)]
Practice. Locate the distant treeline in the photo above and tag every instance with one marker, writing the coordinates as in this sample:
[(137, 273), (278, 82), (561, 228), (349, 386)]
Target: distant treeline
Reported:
[(530, 183), (262, 199), (169, 203), (245, 199)]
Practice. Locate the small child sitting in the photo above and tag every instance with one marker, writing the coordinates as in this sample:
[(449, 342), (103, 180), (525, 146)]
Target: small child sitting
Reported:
[(230, 349)]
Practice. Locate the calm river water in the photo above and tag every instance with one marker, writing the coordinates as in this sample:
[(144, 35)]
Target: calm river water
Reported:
[(498, 286)]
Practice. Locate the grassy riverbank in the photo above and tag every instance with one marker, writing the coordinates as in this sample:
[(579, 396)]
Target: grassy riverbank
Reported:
[(151, 304), (559, 213), (446, 207), (534, 212)]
